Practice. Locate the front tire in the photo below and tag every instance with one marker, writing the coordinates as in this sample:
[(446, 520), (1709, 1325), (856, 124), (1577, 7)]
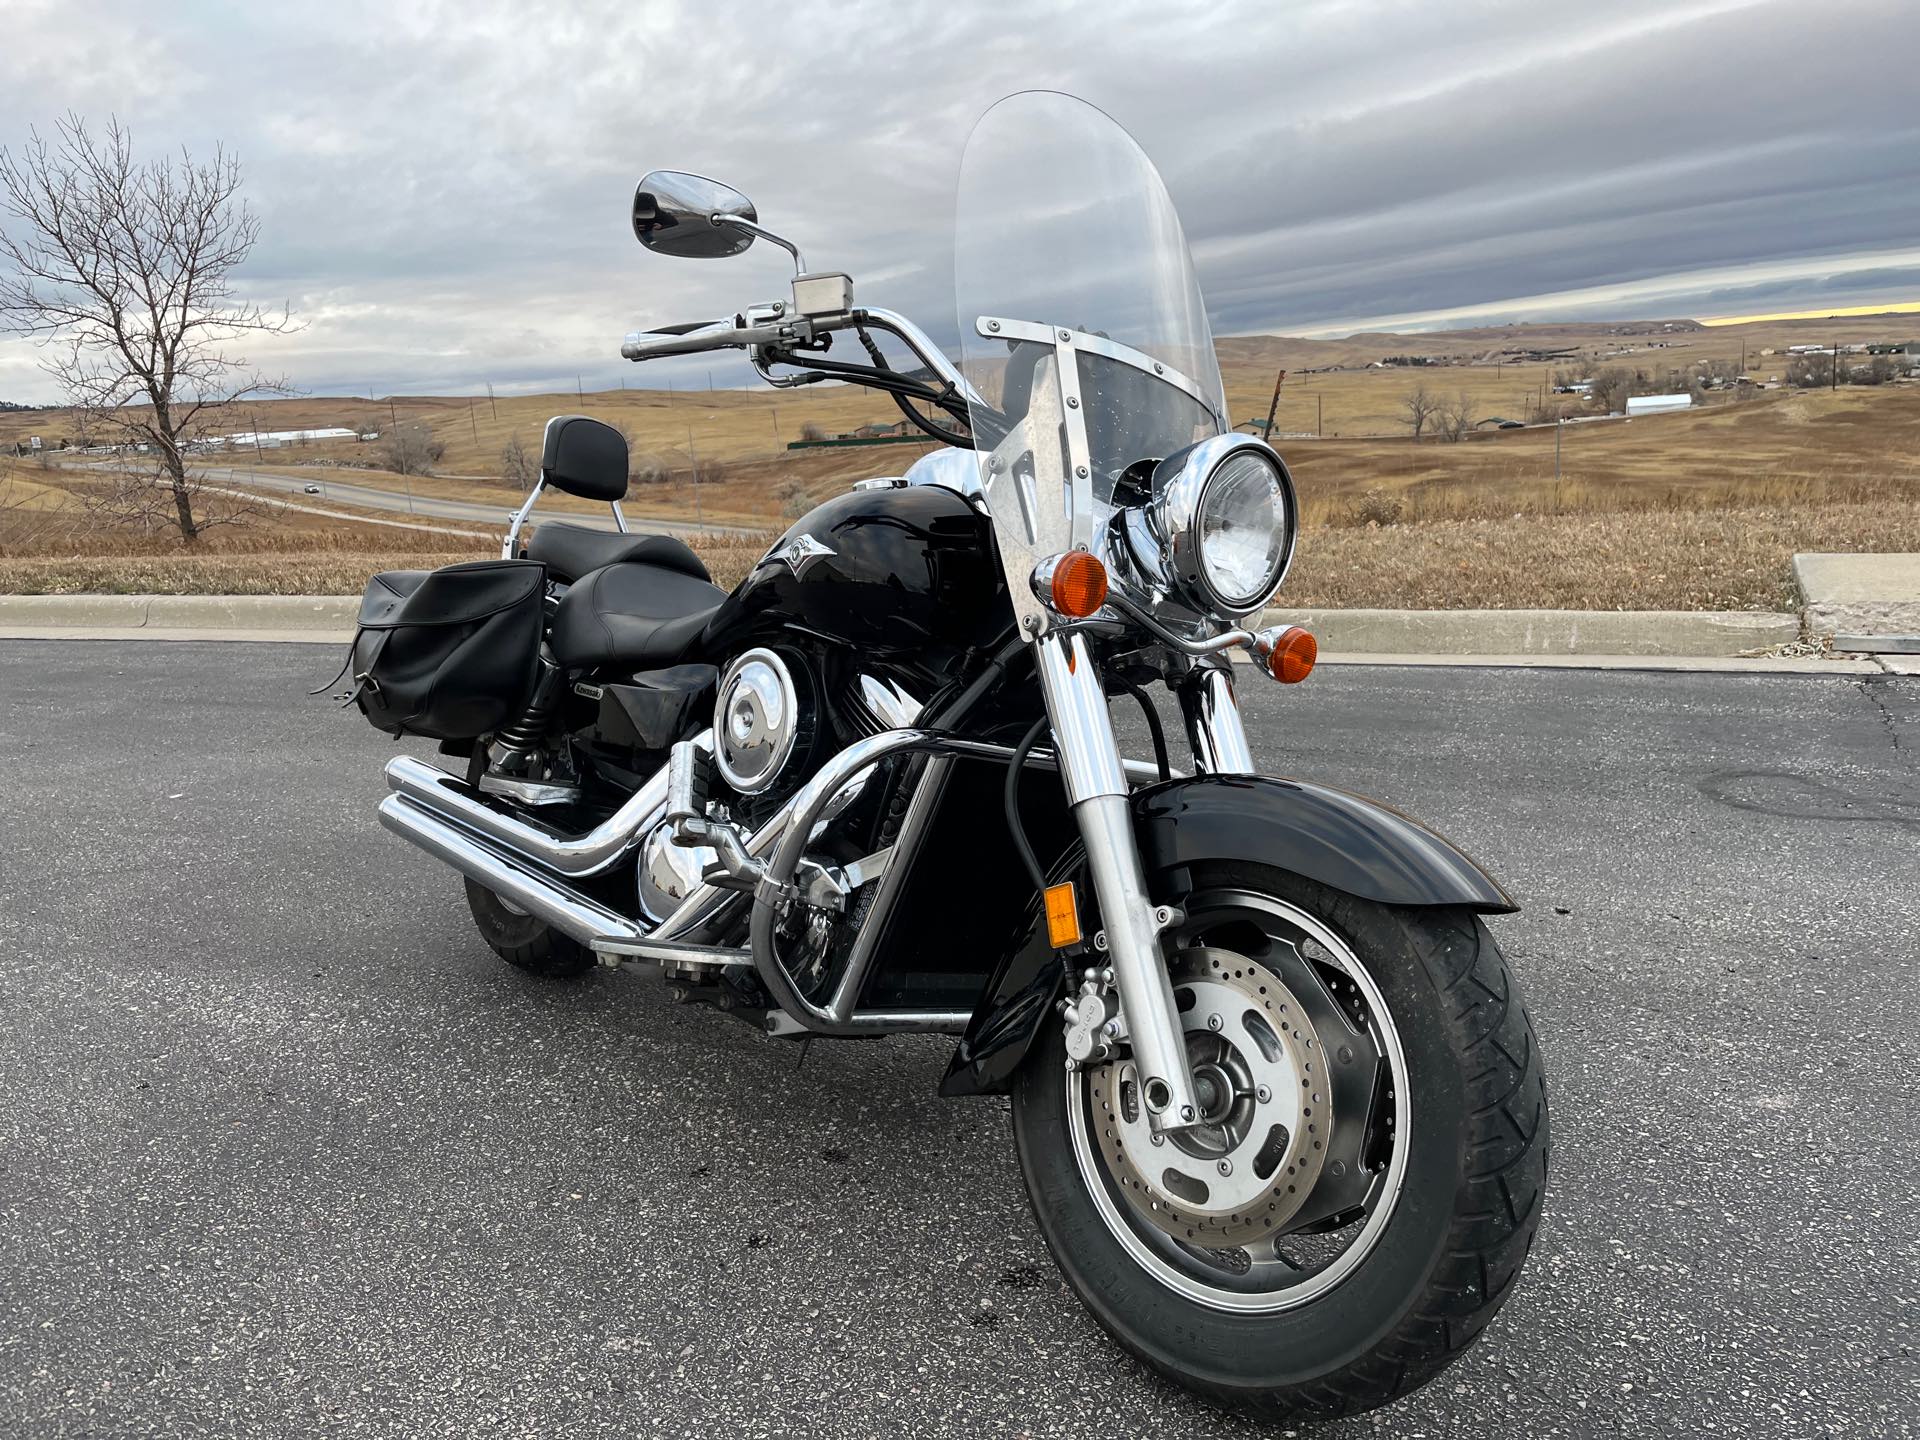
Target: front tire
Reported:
[(1345, 1307)]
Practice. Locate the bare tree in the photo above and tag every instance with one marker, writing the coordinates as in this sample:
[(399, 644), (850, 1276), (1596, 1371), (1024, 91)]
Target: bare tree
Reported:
[(646, 468), (1419, 406), (409, 448), (1611, 387), (1453, 419), (794, 499), (124, 271), (517, 467)]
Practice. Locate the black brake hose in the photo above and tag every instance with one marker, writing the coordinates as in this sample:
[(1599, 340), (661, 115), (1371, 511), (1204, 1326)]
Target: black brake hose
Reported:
[(877, 379), (914, 417), (1153, 728), (1011, 798)]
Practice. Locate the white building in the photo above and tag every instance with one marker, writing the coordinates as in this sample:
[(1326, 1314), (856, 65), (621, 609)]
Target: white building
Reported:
[(1658, 404), (274, 439)]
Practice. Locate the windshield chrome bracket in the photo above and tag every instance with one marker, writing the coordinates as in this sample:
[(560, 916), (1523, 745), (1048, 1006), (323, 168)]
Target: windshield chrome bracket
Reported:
[(1079, 452), (996, 327)]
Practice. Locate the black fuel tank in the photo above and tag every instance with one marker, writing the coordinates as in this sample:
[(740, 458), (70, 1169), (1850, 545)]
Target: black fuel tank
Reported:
[(902, 570)]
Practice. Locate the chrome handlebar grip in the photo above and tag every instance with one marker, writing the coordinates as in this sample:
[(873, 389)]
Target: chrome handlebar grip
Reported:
[(648, 345)]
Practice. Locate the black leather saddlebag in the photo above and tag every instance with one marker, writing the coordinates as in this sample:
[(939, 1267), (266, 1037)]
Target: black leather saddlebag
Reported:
[(449, 653)]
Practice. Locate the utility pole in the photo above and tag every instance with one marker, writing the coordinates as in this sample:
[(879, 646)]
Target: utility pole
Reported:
[(1558, 427), (693, 470), (407, 479), (1319, 414), (776, 427), (493, 408), (580, 389), (1833, 368), (1278, 381), (472, 420)]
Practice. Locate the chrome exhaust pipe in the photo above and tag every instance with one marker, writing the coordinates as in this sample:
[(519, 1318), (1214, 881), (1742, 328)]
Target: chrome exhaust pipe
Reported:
[(565, 909), (616, 837), (577, 856)]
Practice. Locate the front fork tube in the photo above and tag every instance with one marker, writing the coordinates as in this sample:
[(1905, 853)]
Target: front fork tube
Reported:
[(1214, 726), (1096, 786)]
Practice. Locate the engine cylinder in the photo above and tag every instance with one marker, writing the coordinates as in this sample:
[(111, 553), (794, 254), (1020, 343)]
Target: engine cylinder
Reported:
[(759, 720)]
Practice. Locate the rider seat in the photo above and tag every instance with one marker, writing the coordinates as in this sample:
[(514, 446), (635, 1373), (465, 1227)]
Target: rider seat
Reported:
[(571, 552), (632, 616)]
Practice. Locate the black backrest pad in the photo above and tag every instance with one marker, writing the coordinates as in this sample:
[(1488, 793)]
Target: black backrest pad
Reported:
[(585, 457)]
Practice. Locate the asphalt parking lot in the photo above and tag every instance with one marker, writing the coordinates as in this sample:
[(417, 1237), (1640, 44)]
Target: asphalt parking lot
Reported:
[(288, 1152)]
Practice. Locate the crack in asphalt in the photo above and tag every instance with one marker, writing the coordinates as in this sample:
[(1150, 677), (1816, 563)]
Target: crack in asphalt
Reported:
[(1870, 686)]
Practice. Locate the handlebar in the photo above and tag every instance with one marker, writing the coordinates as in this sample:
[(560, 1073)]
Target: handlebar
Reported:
[(772, 326)]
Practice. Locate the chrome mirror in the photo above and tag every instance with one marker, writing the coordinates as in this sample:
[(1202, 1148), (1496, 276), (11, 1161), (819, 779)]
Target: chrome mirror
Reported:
[(681, 214)]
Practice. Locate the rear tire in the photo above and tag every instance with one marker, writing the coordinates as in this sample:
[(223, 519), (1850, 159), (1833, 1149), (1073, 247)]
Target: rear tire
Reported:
[(515, 936), (1455, 1232), (524, 942)]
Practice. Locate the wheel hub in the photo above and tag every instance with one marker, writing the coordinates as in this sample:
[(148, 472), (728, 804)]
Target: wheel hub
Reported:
[(1245, 1169)]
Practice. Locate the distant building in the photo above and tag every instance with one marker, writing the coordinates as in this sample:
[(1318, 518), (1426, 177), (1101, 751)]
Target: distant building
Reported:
[(1658, 404), (274, 439)]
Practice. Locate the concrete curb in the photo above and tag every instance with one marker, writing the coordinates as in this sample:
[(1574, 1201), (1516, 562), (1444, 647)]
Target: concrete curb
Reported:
[(1544, 632), (1864, 602), (333, 614), (166, 632), (1505, 634)]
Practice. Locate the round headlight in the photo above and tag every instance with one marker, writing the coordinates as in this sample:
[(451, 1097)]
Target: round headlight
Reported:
[(1225, 514)]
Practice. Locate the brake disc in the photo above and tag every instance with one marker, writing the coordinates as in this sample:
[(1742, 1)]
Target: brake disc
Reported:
[(1260, 1079)]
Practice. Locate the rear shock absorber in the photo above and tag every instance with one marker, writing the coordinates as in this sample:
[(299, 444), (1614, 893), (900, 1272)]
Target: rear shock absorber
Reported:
[(529, 729)]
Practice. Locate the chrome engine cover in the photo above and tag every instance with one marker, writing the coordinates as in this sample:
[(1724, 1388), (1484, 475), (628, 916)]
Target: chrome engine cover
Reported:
[(669, 872), (757, 719)]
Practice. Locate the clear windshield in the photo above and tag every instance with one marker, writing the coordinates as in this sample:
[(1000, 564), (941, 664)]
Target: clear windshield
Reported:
[(1067, 248)]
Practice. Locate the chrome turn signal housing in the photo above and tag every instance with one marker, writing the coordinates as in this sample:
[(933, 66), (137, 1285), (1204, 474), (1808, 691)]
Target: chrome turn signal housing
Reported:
[(1286, 652), (1074, 584)]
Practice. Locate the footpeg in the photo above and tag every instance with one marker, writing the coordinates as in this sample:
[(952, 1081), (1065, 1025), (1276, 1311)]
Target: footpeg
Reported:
[(687, 784), (698, 823)]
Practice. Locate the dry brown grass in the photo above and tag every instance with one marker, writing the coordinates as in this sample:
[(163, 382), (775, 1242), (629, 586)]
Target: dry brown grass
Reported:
[(51, 546), (270, 572), (1726, 559), (1688, 511)]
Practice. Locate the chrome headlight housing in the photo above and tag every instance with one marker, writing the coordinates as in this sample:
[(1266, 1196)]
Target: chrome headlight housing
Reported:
[(1225, 516)]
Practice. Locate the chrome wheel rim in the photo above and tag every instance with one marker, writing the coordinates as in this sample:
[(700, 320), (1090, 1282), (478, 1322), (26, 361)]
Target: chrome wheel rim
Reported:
[(1286, 1270)]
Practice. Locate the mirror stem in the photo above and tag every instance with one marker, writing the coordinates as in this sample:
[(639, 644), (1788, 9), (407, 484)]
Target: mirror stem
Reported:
[(752, 228)]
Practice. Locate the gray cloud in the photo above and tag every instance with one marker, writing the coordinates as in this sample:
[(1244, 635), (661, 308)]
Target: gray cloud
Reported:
[(443, 186)]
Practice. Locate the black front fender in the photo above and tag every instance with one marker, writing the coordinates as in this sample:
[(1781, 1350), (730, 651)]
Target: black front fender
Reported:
[(1344, 841)]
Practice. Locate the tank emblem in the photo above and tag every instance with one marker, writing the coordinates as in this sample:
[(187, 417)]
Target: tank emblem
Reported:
[(800, 552)]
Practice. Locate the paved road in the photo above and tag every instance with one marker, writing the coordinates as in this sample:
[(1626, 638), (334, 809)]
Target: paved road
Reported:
[(493, 517), (288, 1153)]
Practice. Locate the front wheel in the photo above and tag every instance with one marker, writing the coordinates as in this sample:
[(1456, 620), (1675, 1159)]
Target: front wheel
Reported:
[(1366, 1178)]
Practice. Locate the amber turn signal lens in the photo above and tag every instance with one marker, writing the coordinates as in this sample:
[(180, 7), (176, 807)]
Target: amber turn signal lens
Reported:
[(1063, 916), (1075, 584), (1286, 653)]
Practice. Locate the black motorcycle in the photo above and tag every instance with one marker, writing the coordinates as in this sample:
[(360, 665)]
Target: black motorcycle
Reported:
[(1275, 1097)]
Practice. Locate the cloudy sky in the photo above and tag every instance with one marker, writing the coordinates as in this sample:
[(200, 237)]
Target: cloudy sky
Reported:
[(444, 186)]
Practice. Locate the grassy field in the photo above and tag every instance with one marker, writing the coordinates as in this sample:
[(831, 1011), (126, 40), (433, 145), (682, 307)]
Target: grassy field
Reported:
[(1706, 559), (1694, 510)]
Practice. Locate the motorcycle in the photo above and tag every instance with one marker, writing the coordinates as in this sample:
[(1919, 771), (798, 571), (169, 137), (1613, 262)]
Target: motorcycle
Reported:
[(1275, 1098)]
